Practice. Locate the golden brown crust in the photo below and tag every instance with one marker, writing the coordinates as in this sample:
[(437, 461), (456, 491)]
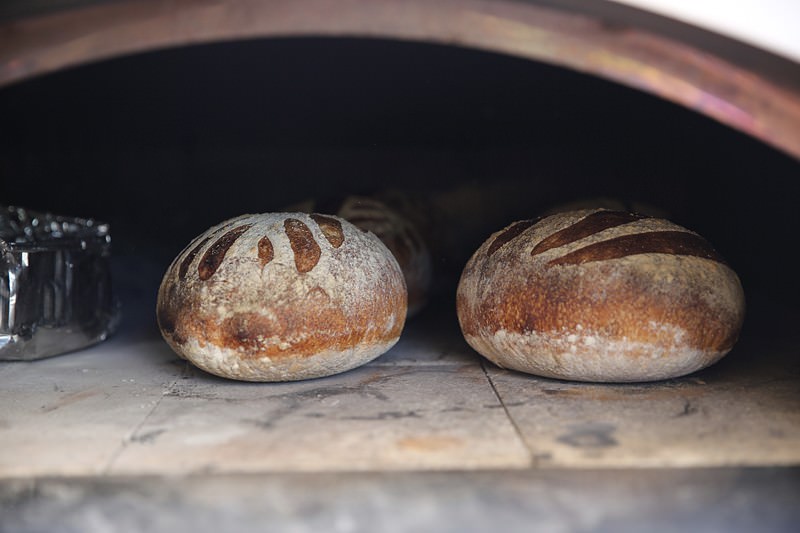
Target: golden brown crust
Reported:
[(277, 288), (645, 283)]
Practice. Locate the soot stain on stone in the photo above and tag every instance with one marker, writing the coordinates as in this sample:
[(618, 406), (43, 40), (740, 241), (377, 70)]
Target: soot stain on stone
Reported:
[(689, 409), (213, 257), (590, 436), (306, 250), (148, 437), (386, 415)]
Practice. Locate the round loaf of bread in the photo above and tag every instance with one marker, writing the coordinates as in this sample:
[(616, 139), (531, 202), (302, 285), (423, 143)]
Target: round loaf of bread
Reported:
[(282, 297), (598, 295)]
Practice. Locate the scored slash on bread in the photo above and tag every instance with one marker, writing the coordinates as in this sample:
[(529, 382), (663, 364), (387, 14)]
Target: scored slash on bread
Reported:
[(282, 296), (600, 295), (396, 231)]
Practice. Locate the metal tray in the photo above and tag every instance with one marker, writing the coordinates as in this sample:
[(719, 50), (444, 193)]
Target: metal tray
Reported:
[(55, 284)]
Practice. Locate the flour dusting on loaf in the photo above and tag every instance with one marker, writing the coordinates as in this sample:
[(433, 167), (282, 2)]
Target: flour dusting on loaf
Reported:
[(395, 230), (600, 295), (282, 296)]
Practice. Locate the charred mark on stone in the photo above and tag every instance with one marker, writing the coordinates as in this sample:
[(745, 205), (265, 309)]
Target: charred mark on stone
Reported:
[(386, 415), (331, 228), (265, 251), (510, 234), (594, 223), (306, 250), (656, 242), (213, 257), (148, 437), (688, 409), (590, 436)]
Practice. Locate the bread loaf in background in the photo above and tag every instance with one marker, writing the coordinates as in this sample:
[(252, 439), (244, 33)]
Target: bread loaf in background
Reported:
[(395, 230), (599, 295), (281, 297)]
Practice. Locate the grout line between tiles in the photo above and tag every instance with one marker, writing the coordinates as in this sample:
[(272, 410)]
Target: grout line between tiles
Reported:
[(127, 439), (517, 430)]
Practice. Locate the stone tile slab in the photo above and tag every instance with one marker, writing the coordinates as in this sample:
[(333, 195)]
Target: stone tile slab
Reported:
[(129, 406), (374, 418), (743, 411), (69, 415), (84, 412)]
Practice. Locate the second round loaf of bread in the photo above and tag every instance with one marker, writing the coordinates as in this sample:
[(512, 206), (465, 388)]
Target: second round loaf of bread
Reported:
[(598, 295), (282, 296)]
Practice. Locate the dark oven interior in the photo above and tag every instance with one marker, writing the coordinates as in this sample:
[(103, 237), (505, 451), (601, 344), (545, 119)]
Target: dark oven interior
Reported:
[(164, 144)]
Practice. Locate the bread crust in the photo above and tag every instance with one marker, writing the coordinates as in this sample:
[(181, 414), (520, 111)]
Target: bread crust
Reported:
[(598, 295), (281, 297), (395, 230)]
